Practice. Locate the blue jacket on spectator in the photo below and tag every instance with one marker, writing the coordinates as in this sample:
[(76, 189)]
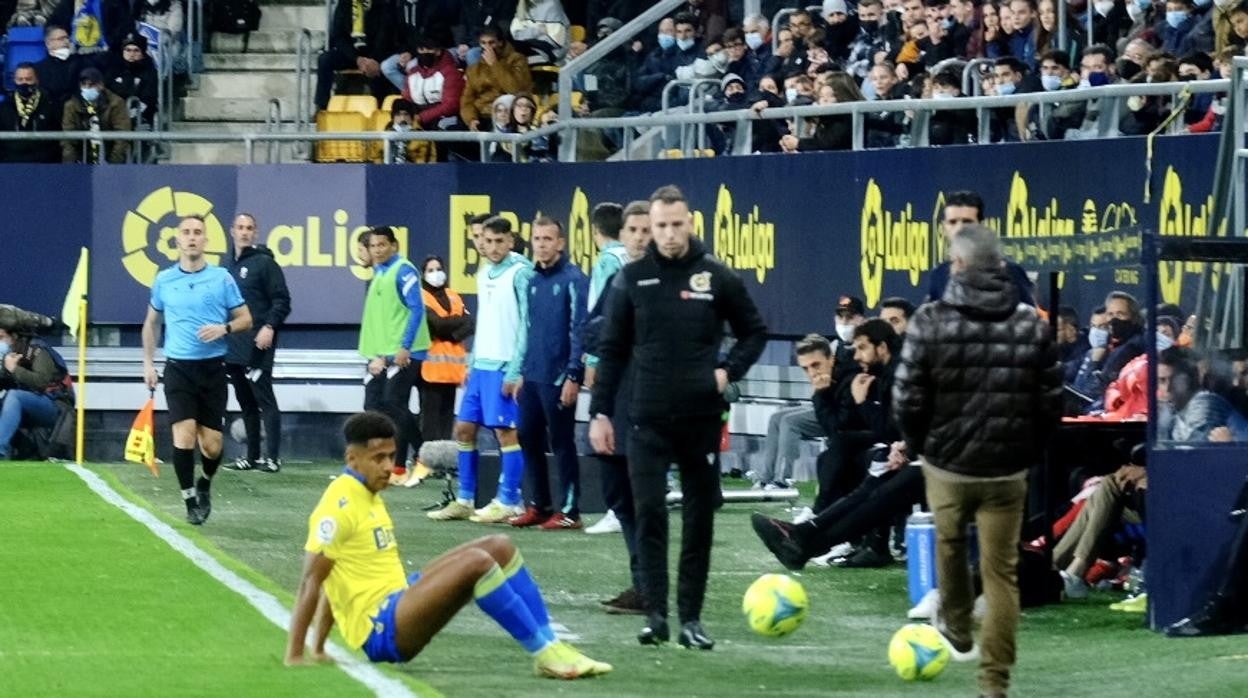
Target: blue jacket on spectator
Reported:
[(1022, 45), (658, 69), (1177, 40), (557, 308)]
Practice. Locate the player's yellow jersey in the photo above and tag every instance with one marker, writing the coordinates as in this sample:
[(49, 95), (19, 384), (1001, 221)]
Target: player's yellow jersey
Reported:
[(351, 526)]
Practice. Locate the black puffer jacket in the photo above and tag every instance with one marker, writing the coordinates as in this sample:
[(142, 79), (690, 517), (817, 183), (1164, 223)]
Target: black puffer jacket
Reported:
[(263, 286), (669, 315), (978, 388)]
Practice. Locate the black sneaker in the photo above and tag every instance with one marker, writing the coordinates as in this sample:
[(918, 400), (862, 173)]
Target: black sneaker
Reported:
[(194, 515), (864, 558), (656, 632), (204, 498), (629, 602), (269, 465), (693, 637), (1216, 617), (779, 537), (242, 464)]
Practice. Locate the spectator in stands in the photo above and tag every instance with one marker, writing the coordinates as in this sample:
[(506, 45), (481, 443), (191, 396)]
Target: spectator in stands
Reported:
[(115, 18), (757, 30), (95, 109), (789, 426), (1022, 38), (987, 35), (539, 30), (1145, 114), (1047, 36), (955, 126), (1212, 118), (475, 16), (872, 39), (1238, 35), (500, 122), (897, 311), (742, 60), (360, 35), (167, 16), (523, 114), (1134, 57), (1077, 120), (885, 128), (834, 132), (58, 72), (35, 385), (937, 46), (963, 208), (840, 29), (1126, 341), (767, 133), (134, 76), (1072, 342), (1110, 22), (1176, 32), (1011, 76), (28, 109), (501, 71), (660, 66), (710, 17), (961, 24), (404, 117), (30, 13), (434, 85), (1055, 71), (1196, 66)]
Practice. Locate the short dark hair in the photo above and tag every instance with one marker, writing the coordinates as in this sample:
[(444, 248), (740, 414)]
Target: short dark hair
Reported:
[(429, 42), (812, 343), (1058, 56), (946, 78), (432, 258), (1012, 63), (905, 306), (1182, 361), (608, 217), (252, 217), (366, 426), (636, 208), (492, 31), (480, 218), (1202, 61), (1098, 310), (966, 198), (26, 65), (670, 194), (498, 224), (1099, 50), (877, 332), (1069, 314), (870, 3), (548, 221), (47, 30), (733, 34), (386, 232), (362, 238), (685, 18)]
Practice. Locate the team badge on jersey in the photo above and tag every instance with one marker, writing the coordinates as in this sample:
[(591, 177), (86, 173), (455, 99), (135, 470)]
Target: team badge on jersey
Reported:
[(242, 273), (700, 282), (326, 530)]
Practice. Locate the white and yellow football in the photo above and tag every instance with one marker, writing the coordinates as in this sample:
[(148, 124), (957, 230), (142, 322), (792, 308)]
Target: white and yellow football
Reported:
[(917, 653), (775, 605)]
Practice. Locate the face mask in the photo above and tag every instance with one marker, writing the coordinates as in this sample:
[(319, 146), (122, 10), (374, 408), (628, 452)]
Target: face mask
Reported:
[(1098, 79), (1121, 329), (720, 61), (948, 23), (790, 94), (1127, 69), (1006, 89), (5, 348), (25, 91), (90, 94), (426, 60), (1203, 3), (941, 95), (61, 53), (436, 278), (1164, 342), (666, 41), (869, 26), (402, 128), (684, 44), (1103, 8), (754, 40), (845, 332), (1051, 82), (1098, 337), (1175, 18)]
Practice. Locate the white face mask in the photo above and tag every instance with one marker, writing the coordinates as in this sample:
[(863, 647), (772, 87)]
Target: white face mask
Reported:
[(402, 128), (1103, 7), (436, 278), (754, 39), (61, 53), (790, 94), (1164, 342), (1098, 337), (5, 348), (845, 332)]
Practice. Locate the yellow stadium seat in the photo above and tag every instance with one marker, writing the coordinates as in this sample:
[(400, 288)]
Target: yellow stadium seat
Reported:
[(379, 121), (364, 104), (673, 154), (341, 151), (706, 153), (576, 32), (389, 101), (337, 103)]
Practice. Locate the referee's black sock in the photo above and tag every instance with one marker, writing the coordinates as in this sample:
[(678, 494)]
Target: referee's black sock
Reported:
[(184, 467), (210, 468)]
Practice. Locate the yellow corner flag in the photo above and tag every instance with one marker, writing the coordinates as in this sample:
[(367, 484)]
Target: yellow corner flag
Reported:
[(141, 444), (71, 311)]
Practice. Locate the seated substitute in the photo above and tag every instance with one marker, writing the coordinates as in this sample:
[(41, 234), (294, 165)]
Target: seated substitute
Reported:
[(34, 383), (352, 574)]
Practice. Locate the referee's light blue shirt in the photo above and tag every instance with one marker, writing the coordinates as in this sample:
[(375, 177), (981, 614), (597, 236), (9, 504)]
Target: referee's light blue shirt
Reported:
[(190, 300)]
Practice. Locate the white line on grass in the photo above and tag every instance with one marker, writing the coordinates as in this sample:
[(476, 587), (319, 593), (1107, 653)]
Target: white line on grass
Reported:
[(262, 601)]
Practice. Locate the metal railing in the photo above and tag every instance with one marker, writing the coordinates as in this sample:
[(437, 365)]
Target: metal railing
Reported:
[(194, 41), (305, 109), (273, 124)]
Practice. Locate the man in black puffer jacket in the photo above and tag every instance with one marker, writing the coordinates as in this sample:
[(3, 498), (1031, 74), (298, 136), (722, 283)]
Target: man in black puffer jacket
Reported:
[(976, 395), (667, 312)]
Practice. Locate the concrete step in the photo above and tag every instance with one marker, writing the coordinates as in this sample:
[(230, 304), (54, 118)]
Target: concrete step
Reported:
[(254, 84), (250, 62), (264, 41), (309, 16), (223, 154), (233, 109)]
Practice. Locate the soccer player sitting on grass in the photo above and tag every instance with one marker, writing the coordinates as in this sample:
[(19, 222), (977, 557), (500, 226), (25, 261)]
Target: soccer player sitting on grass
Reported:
[(352, 574)]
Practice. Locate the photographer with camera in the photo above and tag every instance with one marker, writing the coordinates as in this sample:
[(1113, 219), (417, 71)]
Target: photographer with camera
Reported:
[(33, 377)]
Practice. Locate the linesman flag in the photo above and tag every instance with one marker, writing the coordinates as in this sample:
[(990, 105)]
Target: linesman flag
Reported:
[(141, 444)]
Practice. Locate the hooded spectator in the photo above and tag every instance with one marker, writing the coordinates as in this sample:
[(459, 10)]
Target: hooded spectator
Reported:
[(134, 76), (539, 30)]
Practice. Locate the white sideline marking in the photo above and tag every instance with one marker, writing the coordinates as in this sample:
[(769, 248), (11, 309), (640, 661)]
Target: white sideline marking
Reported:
[(264, 602)]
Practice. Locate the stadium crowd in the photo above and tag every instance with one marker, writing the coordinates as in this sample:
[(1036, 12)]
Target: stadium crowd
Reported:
[(489, 66)]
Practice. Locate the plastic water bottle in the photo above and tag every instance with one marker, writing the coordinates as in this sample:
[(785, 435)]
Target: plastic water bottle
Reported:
[(920, 553)]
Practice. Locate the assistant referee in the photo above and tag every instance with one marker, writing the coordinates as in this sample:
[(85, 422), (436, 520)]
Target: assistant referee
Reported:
[(199, 305), (667, 312)]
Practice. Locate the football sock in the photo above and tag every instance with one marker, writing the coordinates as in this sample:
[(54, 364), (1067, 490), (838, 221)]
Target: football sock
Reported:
[(500, 601), (513, 473), (184, 468), (521, 582), (468, 458), (210, 465)]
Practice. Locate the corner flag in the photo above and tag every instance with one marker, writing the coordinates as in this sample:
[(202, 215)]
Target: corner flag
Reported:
[(141, 444), (71, 311)]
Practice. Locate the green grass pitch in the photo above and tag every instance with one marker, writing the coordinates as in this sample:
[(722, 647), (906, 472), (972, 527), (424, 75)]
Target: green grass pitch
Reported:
[(95, 605)]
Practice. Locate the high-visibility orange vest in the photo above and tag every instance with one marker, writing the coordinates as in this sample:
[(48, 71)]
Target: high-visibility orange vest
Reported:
[(446, 361)]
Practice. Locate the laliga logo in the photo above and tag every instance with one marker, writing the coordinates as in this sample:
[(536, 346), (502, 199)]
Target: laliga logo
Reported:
[(165, 204)]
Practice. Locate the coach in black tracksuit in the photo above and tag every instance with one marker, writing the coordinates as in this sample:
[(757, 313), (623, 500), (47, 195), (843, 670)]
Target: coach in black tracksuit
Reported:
[(667, 315), (249, 361)]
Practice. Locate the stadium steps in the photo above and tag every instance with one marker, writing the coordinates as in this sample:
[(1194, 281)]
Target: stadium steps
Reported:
[(236, 86)]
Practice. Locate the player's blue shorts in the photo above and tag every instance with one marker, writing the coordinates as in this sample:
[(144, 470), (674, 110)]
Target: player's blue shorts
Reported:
[(484, 403), (380, 644)]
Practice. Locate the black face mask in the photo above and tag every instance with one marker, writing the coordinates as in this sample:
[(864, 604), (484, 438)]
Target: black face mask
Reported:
[(869, 26), (25, 91), (426, 60), (735, 97), (1127, 69), (1121, 329)]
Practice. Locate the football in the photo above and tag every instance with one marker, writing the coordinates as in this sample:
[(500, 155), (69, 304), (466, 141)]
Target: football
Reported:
[(775, 605), (917, 653)]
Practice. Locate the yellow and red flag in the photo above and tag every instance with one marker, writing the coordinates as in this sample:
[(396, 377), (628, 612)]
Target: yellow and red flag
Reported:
[(141, 444)]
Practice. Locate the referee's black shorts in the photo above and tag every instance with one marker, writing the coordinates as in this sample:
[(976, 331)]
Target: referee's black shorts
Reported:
[(197, 390)]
